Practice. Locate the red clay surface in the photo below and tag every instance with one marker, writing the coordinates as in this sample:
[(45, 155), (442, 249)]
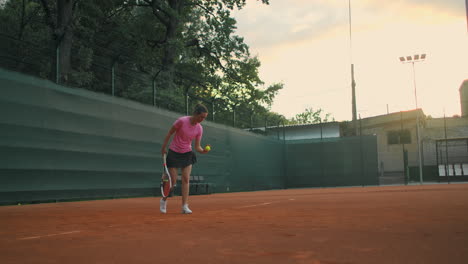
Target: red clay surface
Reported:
[(401, 224)]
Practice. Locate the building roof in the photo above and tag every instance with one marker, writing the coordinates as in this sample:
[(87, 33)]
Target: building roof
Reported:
[(297, 125), (464, 85), (392, 117)]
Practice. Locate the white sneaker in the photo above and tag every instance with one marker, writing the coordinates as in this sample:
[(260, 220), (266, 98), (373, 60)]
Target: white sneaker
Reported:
[(162, 206), (185, 209)]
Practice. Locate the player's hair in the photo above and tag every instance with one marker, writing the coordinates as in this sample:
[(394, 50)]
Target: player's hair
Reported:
[(199, 109)]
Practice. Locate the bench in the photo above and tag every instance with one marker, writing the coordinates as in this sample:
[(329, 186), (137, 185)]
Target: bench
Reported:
[(198, 185)]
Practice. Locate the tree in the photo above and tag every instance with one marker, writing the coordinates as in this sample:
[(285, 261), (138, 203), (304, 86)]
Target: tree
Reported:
[(59, 17), (182, 48), (311, 116), (20, 31), (205, 26)]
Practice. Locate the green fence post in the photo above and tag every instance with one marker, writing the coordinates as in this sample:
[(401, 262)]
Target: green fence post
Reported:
[(363, 172), (234, 117), (154, 91), (213, 106), (406, 166), (322, 172), (186, 104), (113, 78), (57, 64)]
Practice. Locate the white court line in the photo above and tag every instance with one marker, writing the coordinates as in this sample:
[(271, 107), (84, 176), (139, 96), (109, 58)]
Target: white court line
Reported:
[(254, 205), (58, 234), (119, 225)]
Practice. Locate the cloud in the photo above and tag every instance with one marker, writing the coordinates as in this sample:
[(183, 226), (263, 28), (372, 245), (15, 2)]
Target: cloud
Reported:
[(415, 8), (305, 44), (295, 20), (284, 22)]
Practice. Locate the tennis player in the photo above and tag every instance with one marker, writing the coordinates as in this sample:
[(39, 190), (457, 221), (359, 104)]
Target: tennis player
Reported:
[(180, 155)]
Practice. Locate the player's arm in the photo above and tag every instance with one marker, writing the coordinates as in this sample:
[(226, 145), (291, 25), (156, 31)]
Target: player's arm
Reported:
[(198, 147), (166, 139)]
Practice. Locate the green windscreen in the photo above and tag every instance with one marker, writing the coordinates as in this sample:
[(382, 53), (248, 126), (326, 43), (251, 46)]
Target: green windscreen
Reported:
[(348, 161), (59, 143)]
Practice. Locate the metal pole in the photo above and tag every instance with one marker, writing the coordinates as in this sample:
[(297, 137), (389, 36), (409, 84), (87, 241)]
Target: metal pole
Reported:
[(234, 117), (419, 149), (321, 131), (285, 158), (437, 158), (418, 138), (277, 130), (322, 182), (251, 121), (414, 82), (284, 132), (361, 152), (353, 82), (186, 104), (403, 149), (113, 78), (466, 6), (447, 171), (57, 64), (213, 105), (154, 92)]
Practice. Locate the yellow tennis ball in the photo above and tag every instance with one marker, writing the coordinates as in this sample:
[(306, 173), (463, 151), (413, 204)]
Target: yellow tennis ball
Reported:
[(207, 148)]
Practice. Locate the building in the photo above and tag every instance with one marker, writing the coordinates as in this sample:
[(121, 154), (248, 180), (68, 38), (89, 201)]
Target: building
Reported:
[(445, 144), (411, 146), (464, 98), (397, 142), (303, 131)]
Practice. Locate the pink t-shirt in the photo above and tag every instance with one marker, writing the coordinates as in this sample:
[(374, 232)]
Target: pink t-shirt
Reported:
[(185, 133)]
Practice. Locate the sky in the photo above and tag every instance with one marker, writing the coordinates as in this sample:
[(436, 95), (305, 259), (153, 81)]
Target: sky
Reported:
[(306, 45)]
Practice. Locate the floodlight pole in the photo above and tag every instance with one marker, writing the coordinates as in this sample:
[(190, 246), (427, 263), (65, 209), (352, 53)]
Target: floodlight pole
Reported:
[(418, 129), (412, 60), (414, 83), (466, 6), (353, 82)]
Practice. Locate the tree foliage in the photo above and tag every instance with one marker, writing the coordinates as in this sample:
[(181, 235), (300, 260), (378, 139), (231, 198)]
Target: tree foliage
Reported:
[(311, 116), (180, 50)]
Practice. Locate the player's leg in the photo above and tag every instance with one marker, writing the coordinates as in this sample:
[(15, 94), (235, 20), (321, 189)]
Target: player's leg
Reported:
[(173, 173), (185, 188)]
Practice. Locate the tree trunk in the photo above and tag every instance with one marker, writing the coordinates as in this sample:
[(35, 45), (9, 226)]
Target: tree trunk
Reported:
[(170, 50), (170, 47), (64, 36)]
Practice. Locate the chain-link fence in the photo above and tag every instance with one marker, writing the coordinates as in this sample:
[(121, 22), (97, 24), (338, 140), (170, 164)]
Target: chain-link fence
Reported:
[(100, 70), (452, 157)]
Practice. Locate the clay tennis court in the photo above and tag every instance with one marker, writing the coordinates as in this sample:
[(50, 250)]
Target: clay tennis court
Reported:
[(394, 224)]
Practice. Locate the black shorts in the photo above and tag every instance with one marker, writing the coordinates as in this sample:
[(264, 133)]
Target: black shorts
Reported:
[(180, 160)]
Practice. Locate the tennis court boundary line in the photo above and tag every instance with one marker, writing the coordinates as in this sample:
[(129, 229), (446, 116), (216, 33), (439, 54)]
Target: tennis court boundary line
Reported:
[(50, 235), (261, 204)]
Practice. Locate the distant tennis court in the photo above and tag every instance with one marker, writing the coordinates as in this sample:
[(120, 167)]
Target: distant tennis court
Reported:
[(393, 224)]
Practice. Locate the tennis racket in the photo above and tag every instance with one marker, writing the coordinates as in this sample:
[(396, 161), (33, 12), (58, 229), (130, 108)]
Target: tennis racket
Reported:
[(166, 182)]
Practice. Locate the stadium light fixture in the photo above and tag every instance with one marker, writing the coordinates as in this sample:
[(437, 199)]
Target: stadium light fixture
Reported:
[(412, 60)]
